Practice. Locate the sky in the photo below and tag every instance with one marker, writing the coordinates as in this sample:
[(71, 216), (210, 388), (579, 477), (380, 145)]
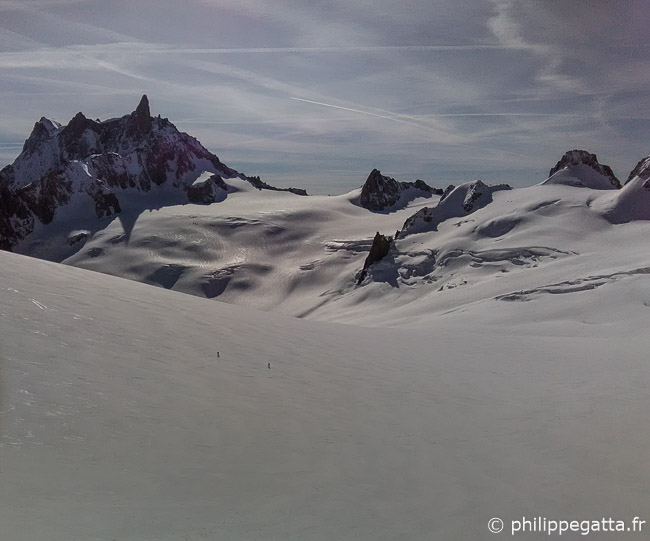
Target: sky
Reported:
[(316, 94)]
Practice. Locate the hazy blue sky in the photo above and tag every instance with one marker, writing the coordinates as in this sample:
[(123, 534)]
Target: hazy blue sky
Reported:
[(317, 93)]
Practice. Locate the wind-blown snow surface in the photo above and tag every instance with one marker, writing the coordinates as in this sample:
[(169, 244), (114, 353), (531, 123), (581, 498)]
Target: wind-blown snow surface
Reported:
[(265, 249), (118, 421)]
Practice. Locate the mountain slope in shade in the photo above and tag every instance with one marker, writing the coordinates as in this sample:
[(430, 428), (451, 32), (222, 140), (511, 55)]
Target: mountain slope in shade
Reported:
[(97, 165), (642, 169), (632, 202), (581, 168)]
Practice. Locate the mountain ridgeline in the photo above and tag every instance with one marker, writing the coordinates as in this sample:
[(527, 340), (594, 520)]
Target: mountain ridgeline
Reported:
[(82, 194), (612, 201), (92, 165), (382, 193)]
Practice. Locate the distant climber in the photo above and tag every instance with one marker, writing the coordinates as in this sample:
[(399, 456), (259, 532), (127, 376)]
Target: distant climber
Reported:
[(269, 365), (217, 354)]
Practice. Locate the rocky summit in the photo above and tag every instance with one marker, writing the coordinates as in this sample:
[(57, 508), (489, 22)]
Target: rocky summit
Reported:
[(96, 163), (380, 192), (581, 168)]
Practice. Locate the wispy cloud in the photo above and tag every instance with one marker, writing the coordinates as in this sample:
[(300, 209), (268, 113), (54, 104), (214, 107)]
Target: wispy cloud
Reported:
[(335, 50), (507, 29), (424, 90)]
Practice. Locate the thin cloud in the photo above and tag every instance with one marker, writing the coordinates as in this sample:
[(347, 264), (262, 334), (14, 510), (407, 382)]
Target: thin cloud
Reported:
[(442, 137), (507, 29), (344, 49)]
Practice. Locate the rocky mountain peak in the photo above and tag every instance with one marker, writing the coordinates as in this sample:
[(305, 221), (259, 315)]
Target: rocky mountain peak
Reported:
[(43, 130), (574, 158), (76, 127), (140, 120), (103, 161), (380, 192), (143, 107)]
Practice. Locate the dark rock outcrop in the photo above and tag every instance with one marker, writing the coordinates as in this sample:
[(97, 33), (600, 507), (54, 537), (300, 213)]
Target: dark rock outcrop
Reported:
[(261, 185), (139, 123), (424, 187), (642, 170), (380, 192), (106, 204), (207, 191), (582, 157), (379, 249), (446, 192)]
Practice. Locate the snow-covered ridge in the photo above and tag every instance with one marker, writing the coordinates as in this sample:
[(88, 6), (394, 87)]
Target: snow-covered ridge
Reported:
[(630, 203), (460, 201)]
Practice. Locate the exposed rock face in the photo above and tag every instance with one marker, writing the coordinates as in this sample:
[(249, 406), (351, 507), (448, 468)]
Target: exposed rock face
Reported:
[(77, 236), (447, 191), (16, 219), (460, 201), (424, 187), (261, 185), (103, 160), (139, 123), (207, 191), (570, 170), (133, 151), (379, 249), (642, 170), (380, 192)]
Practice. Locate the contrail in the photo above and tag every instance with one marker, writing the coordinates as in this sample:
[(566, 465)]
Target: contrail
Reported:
[(360, 49), (503, 114), (356, 111), (377, 115), (449, 139)]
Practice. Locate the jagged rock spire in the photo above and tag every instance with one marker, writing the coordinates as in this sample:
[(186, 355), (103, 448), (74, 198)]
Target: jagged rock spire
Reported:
[(143, 107), (140, 121)]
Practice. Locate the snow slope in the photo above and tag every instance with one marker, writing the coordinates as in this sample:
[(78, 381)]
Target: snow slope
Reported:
[(582, 176), (268, 250), (551, 250), (118, 421), (460, 201), (302, 256), (581, 168)]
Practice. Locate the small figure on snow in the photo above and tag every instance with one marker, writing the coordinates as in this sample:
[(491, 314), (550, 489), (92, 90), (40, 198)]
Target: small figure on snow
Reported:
[(269, 365), (217, 354)]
